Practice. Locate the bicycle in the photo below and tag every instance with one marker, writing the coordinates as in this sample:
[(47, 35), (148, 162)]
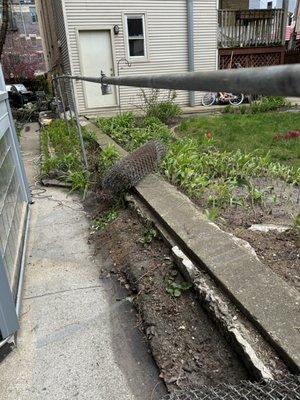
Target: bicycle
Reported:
[(221, 97)]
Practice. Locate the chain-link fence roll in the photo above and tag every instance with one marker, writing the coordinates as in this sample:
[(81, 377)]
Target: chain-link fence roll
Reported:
[(284, 389), (129, 171)]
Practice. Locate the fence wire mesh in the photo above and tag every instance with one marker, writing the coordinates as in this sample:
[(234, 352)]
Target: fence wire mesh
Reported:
[(285, 389), (130, 170)]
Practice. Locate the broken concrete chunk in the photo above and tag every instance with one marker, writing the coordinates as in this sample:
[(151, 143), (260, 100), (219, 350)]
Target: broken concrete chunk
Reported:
[(269, 227)]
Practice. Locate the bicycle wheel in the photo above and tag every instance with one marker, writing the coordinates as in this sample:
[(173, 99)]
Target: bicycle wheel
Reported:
[(236, 99), (209, 99)]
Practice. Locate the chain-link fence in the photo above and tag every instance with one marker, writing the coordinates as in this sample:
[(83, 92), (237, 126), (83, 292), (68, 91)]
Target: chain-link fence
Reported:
[(285, 389), (129, 171)]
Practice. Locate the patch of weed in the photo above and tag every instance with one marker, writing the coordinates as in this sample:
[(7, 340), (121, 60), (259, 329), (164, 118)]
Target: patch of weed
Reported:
[(108, 157), (101, 222), (176, 289), (148, 235)]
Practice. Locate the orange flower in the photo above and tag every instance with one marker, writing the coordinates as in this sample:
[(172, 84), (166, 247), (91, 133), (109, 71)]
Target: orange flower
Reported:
[(209, 136)]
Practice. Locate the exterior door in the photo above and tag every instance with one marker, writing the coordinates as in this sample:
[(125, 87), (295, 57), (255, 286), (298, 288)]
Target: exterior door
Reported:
[(96, 55)]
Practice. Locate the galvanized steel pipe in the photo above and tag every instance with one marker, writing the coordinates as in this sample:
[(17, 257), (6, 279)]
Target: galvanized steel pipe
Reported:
[(283, 80), (191, 46)]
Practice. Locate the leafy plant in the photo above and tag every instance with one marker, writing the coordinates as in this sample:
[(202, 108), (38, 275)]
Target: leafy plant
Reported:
[(108, 157), (165, 109), (148, 235), (267, 104), (130, 133), (78, 180), (175, 289), (62, 153), (212, 214), (100, 223)]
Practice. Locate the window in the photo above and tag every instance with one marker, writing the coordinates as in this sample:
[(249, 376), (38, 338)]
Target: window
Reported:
[(135, 25), (33, 15)]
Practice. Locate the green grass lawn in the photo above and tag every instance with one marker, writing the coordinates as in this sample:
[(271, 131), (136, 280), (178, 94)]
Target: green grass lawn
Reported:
[(249, 133)]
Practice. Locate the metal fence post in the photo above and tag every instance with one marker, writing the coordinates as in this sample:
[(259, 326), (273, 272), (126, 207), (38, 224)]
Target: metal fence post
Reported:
[(63, 104), (78, 125)]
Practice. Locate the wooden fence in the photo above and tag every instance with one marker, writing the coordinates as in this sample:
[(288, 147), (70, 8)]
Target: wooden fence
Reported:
[(250, 28)]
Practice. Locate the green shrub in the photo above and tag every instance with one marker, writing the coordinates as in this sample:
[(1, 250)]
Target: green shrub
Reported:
[(228, 109), (62, 153), (166, 112), (267, 104), (164, 109), (127, 132)]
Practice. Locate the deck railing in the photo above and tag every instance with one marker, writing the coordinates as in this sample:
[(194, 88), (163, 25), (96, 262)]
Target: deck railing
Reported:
[(247, 28)]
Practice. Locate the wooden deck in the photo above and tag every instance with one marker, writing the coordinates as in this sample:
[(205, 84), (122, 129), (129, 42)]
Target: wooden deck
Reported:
[(250, 28)]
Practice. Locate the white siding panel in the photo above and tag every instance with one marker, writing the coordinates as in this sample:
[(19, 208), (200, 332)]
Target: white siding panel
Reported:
[(166, 34), (206, 37)]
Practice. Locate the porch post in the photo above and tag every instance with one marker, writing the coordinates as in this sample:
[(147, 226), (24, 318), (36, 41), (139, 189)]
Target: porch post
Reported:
[(285, 6)]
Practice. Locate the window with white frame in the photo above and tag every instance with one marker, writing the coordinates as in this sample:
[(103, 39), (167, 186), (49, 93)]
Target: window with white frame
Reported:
[(135, 27)]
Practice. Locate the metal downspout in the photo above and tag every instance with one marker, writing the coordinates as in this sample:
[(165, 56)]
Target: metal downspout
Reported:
[(191, 48)]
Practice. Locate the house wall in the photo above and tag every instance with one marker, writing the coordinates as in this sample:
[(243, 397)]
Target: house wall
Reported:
[(166, 36)]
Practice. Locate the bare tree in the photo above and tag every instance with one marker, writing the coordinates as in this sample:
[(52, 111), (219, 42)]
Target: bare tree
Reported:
[(4, 25)]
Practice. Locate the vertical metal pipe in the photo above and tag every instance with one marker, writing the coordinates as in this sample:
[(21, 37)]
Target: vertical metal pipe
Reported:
[(285, 6), (78, 125), (191, 47), (63, 104)]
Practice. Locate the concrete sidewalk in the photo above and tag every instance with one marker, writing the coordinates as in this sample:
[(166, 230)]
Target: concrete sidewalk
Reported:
[(76, 340)]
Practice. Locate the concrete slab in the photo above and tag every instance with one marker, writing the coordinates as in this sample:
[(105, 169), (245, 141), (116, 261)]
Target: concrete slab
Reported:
[(77, 340), (271, 304)]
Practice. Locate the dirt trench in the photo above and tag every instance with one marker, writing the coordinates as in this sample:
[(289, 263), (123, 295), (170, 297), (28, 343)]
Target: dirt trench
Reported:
[(186, 345)]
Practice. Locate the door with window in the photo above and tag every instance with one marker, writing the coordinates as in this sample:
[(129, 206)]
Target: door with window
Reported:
[(96, 55)]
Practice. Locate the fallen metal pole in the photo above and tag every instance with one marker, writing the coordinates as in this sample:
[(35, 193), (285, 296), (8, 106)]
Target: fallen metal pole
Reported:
[(283, 80)]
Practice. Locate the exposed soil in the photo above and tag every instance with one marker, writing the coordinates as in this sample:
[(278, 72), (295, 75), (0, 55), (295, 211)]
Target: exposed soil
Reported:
[(279, 251), (280, 205), (186, 345)]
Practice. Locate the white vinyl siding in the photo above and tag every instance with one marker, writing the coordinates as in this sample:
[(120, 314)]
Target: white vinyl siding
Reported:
[(205, 37), (165, 38)]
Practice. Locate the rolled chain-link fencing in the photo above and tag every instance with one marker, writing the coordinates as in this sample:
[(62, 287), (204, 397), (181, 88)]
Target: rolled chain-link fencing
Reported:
[(129, 171), (284, 389)]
